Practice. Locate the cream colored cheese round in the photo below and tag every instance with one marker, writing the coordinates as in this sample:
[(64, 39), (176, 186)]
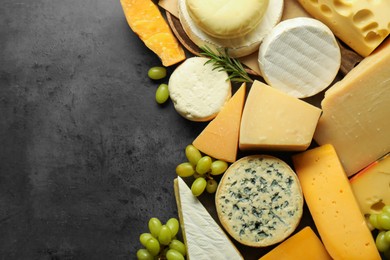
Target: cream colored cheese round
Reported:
[(300, 57), (259, 200), (227, 18), (197, 91), (238, 46)]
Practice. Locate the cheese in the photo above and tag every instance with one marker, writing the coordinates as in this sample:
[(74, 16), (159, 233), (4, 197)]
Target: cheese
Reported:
[(145, 19), (300, 56), (356, 113), (371, 186), (198, 92), (303, 245), (332, 204), (362, 24), (273, 120), (259, 200), (203, 237), (220, 137), (227, 19), (238, 46)]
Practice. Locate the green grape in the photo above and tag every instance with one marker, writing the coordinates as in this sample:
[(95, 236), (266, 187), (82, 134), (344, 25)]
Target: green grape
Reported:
[(144, 237), (198, 186), (178, 246), (218, 167), (173, 254), (173, 225), (185, 169), (381, 242), (373, 219), (165, 235), (384, 220), (387, 236), (143, 254), (157, 73), (193, 155), (154, 226), (162, 93), (211, 186), (153, 246), (386, 209), (203, 165)]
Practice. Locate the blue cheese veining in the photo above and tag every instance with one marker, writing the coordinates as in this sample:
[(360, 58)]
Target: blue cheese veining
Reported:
[(259, 200)]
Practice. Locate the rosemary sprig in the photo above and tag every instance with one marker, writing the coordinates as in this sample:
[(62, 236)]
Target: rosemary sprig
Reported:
[(223, 62)]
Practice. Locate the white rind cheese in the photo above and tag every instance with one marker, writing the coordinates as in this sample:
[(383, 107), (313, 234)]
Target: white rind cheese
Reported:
[(300, 57), (238, 46), (259, 200), (226, 18), (197, 91), (204, 238)]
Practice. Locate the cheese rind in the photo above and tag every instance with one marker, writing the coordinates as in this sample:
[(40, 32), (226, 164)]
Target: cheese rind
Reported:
[(356, 113), (238, 46), (219, 139), (300, 57), (203, 237), (332, 204), (225, 18), (362, 24), (303, 245), (259, 200), (198, 92), (371, 186), (273, 120)]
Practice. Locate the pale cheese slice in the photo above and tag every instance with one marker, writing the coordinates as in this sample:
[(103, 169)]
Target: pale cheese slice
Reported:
[(300, 57), (220, 137), (227, 18), (273, 120), (203, 237), (238, 46)]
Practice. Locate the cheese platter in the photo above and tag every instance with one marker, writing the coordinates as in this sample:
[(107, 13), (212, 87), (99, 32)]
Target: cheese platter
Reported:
[(332, 130)]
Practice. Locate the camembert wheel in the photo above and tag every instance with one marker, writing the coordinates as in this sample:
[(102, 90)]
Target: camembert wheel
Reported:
[(259, 200)]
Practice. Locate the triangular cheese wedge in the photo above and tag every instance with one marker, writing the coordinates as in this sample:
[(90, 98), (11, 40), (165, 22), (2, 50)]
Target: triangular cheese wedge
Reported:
[(220, 137), (203, 237)]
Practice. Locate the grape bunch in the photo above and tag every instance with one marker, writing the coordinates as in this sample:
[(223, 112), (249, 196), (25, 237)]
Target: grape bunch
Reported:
[(202, 168), (161, 242), (381, 222)]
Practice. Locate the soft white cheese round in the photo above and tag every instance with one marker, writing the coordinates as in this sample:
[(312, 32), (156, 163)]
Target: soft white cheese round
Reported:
[(227, 18), (300, 57), (197, 91), (238, 46), (259, 200)]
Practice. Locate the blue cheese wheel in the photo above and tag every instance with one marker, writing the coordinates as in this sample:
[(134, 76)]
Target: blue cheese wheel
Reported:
[(259, 200)]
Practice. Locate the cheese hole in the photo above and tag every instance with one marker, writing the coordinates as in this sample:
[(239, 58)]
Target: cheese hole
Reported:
[(378, 206), (362, 16), (314, 2), (372, 37), (326, 10), (343, 7), (370, 27)]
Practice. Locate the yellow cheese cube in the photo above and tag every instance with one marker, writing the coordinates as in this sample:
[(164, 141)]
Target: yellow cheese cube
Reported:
[(303, 245), (273, 120), (333, 206)]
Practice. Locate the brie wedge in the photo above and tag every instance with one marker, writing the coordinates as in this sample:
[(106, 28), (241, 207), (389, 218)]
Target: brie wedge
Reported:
[(300, 57), (203, 237), (238, 46)]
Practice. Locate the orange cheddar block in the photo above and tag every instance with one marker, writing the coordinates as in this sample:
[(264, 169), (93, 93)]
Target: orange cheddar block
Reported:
[(303, 245), (333, 206), (145, 19), (220, 137)]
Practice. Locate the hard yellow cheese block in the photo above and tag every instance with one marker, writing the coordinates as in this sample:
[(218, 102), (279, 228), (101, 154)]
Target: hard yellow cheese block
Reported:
[(371, 186), (362, 24), (303, 245), (356, 113), (273, 120), (332, 204), (220, 137)]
